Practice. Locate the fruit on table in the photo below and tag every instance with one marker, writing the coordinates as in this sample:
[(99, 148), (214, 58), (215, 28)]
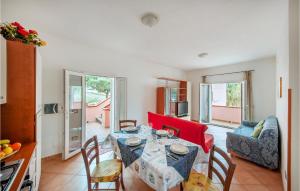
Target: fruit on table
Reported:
[(8, 150), (16, 146), (4, 141), (4, 146), (2, 154)]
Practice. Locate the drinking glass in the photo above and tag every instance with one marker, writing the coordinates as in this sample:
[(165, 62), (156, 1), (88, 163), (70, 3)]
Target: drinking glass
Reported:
[(170, 133)]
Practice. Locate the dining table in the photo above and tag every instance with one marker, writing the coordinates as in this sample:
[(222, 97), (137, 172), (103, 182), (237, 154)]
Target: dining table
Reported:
[(152, 160)]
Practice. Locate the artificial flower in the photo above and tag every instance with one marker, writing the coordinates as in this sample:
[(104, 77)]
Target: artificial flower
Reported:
[(15, 31), (23, 32), (32, 32), (17, 25), (43, 43)]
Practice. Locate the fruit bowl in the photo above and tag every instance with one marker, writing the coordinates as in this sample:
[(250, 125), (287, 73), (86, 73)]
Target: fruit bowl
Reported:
[(7, 149), (8, 155)]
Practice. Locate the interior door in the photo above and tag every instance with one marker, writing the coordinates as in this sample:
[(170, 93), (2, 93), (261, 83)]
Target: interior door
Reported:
[(74, 133), (205, 103)]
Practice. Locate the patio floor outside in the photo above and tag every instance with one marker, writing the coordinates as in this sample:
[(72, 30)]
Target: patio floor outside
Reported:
[(95, 128)]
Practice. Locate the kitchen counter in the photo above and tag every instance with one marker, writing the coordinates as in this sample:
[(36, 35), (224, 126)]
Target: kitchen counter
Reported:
[(25, 153)]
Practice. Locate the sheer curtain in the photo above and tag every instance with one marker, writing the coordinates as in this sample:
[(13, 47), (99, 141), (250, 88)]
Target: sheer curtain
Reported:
[(248, 109), (120, 101)]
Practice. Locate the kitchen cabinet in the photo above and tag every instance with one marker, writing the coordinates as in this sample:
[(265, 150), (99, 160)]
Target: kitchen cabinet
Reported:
[(21, 115)]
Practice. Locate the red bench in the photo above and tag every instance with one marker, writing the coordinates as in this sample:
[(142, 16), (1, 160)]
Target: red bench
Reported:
[(189, 130)]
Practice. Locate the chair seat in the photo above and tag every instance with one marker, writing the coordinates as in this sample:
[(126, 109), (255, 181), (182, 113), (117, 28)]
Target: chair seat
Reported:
[(199, 182), (107, 171)]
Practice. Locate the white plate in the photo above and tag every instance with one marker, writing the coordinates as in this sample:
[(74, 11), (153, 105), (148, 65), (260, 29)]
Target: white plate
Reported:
[(179, 149), (162, 132), (130, 128), (133, 141)]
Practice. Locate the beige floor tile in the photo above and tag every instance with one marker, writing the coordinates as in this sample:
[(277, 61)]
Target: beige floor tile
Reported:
[(256, 188), (70, 176)]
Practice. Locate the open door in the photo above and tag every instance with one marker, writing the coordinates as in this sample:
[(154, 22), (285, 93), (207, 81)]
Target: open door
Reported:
[(74, 133), (120, 101), (205, 103)]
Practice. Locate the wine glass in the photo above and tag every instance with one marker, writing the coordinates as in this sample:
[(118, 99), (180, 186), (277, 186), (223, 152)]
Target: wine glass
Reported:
[(170, 133)]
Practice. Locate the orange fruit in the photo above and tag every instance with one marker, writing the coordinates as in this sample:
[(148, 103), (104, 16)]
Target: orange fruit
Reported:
[(16, 146)]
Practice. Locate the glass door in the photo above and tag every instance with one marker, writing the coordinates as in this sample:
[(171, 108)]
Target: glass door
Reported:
[(205, 103), (119, 101), (74, 133)]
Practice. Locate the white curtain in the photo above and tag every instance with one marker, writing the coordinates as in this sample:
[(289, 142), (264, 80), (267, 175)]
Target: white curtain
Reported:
[(248, 99), (205, 103), (120, 100)]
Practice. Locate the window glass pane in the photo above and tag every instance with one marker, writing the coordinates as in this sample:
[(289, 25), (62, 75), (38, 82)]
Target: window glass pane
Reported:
[(233, 95)]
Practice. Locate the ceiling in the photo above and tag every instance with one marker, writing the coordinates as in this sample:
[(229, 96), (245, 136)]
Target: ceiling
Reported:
[(230, 31)]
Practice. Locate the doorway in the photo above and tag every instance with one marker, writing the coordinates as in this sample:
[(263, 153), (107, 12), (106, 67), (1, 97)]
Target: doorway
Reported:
[(93, 106), (221, 104), (98, 106)]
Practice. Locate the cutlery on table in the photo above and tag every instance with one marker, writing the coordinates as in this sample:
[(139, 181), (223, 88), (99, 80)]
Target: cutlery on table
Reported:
[(171, 155)]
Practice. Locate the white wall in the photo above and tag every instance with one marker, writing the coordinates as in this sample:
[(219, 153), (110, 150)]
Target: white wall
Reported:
[(63, 53), (282, 70), (288, 68), (263, 80)]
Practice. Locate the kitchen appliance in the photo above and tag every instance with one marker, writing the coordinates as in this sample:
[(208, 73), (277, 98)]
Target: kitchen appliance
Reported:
[(8, 173)]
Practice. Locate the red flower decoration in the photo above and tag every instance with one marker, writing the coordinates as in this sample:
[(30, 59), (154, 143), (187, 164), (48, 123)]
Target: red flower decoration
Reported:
[(23, 32), (33, 32), (17, 25)]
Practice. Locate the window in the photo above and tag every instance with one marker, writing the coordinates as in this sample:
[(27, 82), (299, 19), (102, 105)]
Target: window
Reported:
[(226, 94)]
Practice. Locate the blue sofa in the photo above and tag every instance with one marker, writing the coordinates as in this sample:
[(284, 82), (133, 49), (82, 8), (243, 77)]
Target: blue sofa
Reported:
[(262, 150)]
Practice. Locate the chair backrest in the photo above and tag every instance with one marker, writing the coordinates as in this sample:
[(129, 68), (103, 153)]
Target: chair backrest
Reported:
[(90, 152), (175, 130), (127, 123), (228, 169)]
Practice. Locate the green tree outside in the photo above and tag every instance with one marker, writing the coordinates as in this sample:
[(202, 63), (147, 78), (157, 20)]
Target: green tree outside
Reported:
[(233, 94), (100, 84)]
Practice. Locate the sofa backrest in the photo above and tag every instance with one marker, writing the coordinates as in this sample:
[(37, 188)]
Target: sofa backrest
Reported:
[(189, 130), (270, 128)]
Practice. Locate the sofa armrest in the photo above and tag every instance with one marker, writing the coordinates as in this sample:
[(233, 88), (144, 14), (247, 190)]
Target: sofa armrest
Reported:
[(249, 123), (240, 143)]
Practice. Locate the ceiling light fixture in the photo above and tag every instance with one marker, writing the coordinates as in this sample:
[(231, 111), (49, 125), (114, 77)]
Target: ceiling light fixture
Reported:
[(202, 55), (149, 19)]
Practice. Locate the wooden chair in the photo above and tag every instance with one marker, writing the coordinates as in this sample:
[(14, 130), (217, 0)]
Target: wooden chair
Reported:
[(127, 123), (105, 171), (175, 130), (200, 182)]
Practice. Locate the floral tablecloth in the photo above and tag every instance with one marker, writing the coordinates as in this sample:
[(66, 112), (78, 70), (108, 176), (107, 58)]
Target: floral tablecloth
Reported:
[(153, 166)]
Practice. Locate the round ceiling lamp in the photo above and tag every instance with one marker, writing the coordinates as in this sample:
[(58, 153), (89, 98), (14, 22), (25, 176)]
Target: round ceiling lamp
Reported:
[(149, 19), (203, 54)]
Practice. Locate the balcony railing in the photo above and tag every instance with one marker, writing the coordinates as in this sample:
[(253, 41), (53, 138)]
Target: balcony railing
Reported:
[(227, 114)]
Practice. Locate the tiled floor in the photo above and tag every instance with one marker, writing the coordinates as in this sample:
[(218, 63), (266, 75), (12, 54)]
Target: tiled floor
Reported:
[(226, 124), (70, 175)]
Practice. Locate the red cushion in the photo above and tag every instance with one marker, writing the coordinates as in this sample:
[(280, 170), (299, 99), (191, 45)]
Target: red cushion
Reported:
[(189, 130)]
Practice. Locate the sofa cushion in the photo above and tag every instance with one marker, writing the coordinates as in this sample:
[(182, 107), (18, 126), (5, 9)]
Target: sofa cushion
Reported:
[(244, 131), (257, 129)]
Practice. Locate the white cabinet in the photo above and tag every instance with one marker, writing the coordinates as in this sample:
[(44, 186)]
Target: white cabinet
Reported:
[(3, 66)]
